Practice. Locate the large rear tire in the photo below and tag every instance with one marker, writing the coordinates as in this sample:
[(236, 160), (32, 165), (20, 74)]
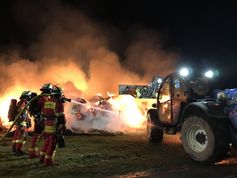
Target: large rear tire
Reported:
[(205, 139), (154, 132)]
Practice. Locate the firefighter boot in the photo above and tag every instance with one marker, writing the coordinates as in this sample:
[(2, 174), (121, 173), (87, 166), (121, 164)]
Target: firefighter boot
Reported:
[(48, 161), (18, 149), (33, 153), (19, 153), (42, 157), (14, 148)]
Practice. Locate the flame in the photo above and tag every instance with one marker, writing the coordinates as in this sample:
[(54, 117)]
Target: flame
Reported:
[(132, 110), (5, 100), (54, 74)]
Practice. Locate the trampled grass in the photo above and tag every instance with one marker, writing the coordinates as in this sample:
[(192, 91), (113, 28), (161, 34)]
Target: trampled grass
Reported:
[(126, 155)]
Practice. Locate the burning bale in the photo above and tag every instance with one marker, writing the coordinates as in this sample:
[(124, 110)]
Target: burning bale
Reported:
[(80, 111), (105, 114), (111, 114), (93, 115), (97, 105)]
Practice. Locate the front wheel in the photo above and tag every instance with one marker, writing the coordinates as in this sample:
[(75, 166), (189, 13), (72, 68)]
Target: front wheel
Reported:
[(204, 139), (154, 132)]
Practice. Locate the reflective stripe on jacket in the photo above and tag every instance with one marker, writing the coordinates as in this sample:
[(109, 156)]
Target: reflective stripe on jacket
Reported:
[(50, 126)]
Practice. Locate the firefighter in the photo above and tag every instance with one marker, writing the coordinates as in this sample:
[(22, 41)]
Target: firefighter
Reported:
[(22, 124), (61, 121), (53, 112), (35, 111)]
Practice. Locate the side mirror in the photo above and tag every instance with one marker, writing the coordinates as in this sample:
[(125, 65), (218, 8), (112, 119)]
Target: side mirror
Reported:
[(154, 105)]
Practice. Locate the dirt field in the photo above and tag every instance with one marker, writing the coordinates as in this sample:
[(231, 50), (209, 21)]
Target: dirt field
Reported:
[(127, 155)]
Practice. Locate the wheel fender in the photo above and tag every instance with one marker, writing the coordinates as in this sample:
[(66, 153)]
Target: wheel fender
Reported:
[(211, 110)]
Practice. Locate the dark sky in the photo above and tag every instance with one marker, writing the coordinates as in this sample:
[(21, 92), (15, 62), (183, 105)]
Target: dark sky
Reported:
[(203, 33)]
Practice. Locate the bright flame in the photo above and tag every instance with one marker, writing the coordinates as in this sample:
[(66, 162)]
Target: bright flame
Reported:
[(12, 93), (132, 111), (129, 111), (114, 113)]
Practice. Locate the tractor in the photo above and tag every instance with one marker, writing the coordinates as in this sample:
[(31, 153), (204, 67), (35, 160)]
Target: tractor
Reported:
[(183, 106)]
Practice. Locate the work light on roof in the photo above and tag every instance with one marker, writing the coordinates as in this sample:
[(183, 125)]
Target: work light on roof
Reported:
[(184, 72), (209, 74), (159, 80)]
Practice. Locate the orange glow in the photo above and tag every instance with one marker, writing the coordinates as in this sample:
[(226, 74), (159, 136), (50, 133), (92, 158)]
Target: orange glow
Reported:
[(74, 82), (61, 74), (132, 111), (227, 161), (165, 98), (74, 53), (129, 110), (5, 100)]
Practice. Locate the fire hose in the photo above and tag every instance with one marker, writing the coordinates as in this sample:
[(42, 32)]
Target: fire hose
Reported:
[(19, 114)]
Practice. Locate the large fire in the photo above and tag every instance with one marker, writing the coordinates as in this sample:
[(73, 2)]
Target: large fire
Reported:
[(73, 80), (116, 113), (75, 52), (130, 111), (75, 84)]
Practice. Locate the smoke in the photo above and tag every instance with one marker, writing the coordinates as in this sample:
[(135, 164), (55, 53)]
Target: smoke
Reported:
[(67, 48), (146, 56), (117, 113), (95, 120)]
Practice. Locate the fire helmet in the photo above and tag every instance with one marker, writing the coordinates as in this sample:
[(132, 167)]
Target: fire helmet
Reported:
[(47, 88), (57, 91), (33, 94), (26, 95)]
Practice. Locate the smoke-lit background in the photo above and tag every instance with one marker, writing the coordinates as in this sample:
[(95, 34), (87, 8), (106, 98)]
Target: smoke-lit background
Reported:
[(68, 43), (92, 47), (74, 51)]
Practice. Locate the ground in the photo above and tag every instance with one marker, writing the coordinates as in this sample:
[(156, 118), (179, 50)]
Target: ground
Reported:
[(124, 155)]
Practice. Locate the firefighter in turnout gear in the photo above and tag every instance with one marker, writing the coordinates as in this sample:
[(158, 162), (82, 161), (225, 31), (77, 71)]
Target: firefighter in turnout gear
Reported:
[(35, 111), (53, 112), (22, 124), (61, 123)]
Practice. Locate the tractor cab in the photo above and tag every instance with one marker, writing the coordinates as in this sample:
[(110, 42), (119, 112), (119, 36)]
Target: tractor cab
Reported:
[(175, 93), (172, 96)]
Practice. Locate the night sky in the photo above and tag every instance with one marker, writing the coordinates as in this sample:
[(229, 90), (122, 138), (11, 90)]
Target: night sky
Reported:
[(204, 34)]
